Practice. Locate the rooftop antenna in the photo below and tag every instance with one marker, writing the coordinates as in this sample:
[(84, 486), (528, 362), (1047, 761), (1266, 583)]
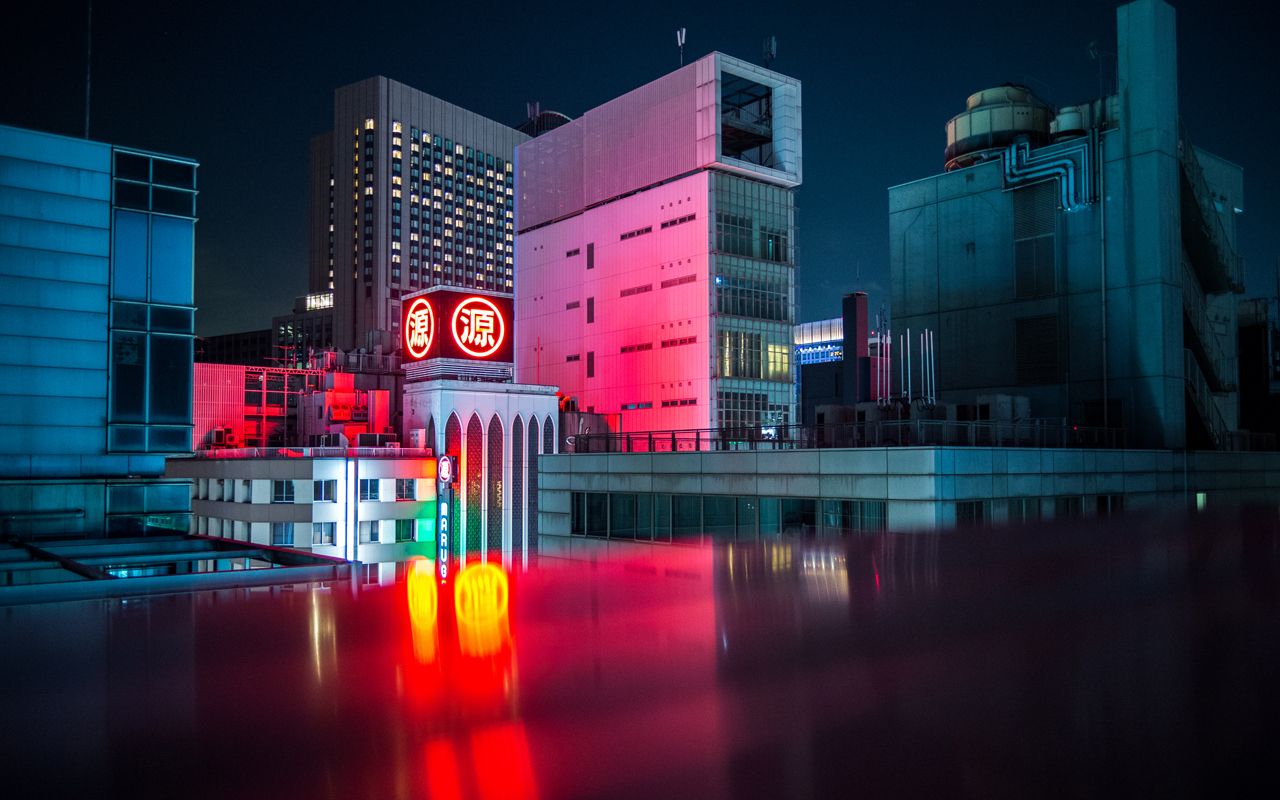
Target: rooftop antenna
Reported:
[(770, 50), (680, 42), (88, 61)]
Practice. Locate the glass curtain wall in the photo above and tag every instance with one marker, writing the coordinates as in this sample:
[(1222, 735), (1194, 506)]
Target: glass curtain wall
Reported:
[(753, 257)]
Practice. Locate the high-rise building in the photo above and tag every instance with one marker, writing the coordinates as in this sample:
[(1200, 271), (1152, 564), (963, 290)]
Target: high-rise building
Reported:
[(96, 260), (1084, 257), (656, 254), (407, 192)]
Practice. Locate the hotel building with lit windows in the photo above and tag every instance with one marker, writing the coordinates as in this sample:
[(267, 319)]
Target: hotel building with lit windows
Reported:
[(656, 251), (407, 192)]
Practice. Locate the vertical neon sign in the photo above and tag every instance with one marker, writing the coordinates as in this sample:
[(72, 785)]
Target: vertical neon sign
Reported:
[(444, 499)]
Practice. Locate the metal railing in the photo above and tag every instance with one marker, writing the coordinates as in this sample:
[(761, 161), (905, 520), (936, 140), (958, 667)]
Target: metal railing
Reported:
[(888, 433), (1196, 305), (1215, 230), (316, 452), (1202, 398)]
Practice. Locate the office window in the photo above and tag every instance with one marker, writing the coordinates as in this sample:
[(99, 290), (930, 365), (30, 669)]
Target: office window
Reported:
[(1110, 505), (1024, 509), (282, 533), (973, 513), (591, 309), (591, 364), (1068, 507), (322, 532), (369, 489), (247, 495), (369, 531), (325, 491), (406, 489), (591, 255), (406, 530), (1034, 225), (282, 491)]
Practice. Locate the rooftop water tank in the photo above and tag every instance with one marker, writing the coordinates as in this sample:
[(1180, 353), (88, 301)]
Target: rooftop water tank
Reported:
[(993, 120)]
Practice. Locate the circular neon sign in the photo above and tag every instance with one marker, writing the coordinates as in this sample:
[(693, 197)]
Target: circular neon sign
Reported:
[(478, 327), (419, 328)]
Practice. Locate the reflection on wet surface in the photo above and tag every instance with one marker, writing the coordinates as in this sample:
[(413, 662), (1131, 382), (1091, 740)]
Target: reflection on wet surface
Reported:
[(1132, 657)]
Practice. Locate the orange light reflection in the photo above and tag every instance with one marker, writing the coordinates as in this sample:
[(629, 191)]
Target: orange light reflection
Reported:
[(423, 609)]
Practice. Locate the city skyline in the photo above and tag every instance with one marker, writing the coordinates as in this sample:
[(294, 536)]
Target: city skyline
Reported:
[(252, 136)]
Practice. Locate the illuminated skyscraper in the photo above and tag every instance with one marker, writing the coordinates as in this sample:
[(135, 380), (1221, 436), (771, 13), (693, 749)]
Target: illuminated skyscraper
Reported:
[(407, 192), (657, 251)]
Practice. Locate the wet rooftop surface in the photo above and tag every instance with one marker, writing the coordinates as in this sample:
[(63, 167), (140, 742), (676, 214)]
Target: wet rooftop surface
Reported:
[(1130, 657)]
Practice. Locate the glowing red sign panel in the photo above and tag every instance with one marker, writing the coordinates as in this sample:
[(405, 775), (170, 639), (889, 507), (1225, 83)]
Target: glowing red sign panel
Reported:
[(419, 327), (478, 327)]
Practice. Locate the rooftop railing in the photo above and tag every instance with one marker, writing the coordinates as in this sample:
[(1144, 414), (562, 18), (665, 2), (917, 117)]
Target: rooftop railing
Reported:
[(889, 433), (316, 452)]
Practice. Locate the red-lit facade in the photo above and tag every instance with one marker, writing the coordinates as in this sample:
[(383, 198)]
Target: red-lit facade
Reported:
[(656, 251)]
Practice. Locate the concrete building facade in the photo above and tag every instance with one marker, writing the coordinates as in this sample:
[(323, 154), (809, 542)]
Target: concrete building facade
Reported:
[(315, 499), (656, 251), (96, 323), (407, 192), (1089, 262), (692, 498)]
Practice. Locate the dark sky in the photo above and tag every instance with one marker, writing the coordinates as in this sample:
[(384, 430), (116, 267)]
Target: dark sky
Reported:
[(241, 88)]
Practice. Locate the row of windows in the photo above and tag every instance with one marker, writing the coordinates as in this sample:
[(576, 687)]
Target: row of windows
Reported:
[(327, 491), (688, 401), (322, 533), (648, 287), (679, 281), (636, 406), (671, 223), (679, 342), (743, 354), (752, 297), (698, 519), (635, 233), (637, 348)]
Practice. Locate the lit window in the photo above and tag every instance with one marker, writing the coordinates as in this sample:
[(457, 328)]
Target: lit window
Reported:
[(368, 124)]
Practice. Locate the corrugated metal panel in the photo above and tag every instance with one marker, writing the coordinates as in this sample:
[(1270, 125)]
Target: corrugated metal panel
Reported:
[(1035, 210)]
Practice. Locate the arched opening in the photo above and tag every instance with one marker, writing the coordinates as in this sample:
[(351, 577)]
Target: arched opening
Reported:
[(495, 485), (517, 485), (532, 503), (475, 478), (431, 437)]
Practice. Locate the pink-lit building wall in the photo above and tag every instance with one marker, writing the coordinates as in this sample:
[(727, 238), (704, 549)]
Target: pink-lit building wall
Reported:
[(632, 313), (619, 256)]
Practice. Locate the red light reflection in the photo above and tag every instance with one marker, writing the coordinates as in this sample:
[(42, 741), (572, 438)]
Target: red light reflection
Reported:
[(424, 609)]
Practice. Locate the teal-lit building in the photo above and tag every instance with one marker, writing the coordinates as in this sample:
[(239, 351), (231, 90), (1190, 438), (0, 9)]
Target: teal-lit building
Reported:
[(96, 330)]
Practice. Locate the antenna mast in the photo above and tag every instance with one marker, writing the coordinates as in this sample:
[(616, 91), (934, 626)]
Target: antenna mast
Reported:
[(680, 43), (88, 62), (770, 50)]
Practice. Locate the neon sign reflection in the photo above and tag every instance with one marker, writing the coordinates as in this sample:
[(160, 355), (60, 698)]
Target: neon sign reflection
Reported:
[(481, 596), (424, 610)]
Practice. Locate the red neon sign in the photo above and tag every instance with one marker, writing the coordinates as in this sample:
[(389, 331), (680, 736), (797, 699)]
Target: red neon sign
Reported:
[(478, 327), (419, 327)]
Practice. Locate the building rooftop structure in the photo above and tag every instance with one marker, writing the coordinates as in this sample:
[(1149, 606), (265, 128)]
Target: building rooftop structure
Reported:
[(1083, 256)]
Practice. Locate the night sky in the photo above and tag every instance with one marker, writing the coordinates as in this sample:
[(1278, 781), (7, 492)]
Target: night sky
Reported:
[(242, 88)]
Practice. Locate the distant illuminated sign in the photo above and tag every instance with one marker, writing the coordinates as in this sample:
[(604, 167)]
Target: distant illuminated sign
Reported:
[(478, 327), (419, 327), (444, 469), (468, 326)]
